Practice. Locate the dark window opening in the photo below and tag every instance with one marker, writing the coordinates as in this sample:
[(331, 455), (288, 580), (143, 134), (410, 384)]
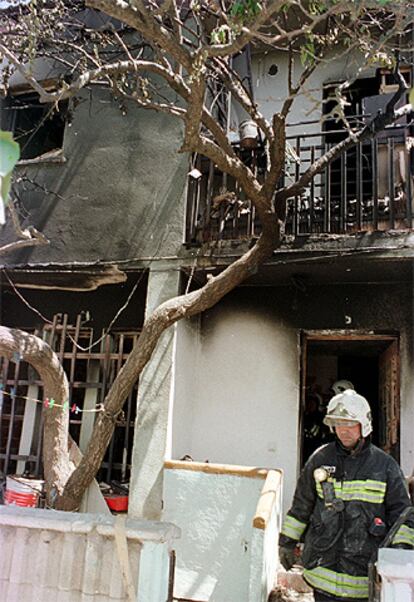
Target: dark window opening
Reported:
[(37, 127), (83, 320), (336, 132), (368, 185)]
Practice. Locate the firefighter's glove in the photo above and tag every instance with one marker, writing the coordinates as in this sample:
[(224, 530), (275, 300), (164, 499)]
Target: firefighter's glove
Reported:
[(287, 557)]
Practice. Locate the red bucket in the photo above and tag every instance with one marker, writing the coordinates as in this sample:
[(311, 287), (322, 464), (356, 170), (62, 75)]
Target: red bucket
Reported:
[(21, 499), (22, 492), (117, 503)]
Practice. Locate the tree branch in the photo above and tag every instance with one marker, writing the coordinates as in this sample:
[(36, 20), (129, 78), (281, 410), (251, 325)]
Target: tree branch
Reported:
[(277, 151), (236, 168), (38, 354), (22, 244), (30, 237), (197, 93), (146, 24), (247, 33), (294, 90), (164, 316), (233, 83), (370, 130)]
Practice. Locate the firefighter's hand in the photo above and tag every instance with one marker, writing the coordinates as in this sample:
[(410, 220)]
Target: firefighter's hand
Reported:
[(287, 557)]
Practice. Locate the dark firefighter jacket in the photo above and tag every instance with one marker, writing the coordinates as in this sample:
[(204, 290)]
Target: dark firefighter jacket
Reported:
[(340, 538)]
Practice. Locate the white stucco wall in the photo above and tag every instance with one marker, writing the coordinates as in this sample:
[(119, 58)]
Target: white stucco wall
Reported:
[(270, 91), (221, 556), (304, 118), (243, 402), (236, 396), (185, 385)]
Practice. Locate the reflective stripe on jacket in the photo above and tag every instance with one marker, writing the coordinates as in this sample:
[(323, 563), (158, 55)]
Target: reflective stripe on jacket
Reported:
[(340, 539)]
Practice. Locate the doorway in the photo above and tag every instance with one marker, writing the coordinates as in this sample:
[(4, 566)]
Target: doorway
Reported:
[(371, 363)]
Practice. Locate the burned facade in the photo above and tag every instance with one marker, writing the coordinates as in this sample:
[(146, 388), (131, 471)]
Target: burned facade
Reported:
[(131, 223), (336, 300)]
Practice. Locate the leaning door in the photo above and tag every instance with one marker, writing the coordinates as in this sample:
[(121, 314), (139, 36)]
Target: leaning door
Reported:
[(389, 400)]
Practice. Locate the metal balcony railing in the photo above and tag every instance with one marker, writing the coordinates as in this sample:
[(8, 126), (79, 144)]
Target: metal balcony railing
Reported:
[(369, 187)]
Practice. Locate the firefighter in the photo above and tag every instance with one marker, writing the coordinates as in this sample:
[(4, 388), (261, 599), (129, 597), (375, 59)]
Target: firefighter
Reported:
[(342, 385), (348, 496), (314, 431)]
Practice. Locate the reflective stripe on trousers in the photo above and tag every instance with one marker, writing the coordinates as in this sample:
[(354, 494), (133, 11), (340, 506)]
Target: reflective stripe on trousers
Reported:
[(337, 584), (320, 597)]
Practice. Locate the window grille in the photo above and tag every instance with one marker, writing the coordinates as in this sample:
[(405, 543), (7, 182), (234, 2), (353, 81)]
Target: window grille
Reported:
[(90, 373)]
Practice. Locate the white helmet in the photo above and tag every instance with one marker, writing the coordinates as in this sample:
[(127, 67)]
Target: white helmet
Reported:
[(342, 385), (349, 406)]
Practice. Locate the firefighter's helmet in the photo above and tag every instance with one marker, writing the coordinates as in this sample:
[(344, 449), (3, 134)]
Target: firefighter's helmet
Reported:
[(349, 406), (342, 385)]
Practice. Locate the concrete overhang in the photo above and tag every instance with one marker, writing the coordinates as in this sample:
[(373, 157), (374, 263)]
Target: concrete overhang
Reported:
[(68, 278), (323, 259)]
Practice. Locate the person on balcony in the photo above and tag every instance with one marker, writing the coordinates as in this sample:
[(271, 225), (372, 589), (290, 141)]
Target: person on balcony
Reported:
[(347, 498)]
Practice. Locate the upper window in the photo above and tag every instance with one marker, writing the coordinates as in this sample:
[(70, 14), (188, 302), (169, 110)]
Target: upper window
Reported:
[(37, 127)]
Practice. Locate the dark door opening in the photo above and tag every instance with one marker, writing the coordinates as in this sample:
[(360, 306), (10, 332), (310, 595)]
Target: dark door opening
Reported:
[(371, 364)]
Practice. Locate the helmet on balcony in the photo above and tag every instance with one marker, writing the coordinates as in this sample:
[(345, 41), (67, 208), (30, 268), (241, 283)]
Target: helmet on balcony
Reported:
[(351, 407), (342, 385)]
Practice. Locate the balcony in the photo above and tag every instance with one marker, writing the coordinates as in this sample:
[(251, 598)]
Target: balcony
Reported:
[(368, 188)]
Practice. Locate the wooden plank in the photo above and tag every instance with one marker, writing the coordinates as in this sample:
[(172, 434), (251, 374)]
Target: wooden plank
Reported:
[(171, 576), (5, 369), (128, 425), (19, 458), (267, 499), (12, 415), (90, 401), (302, 403), (75, 341), (29, 420), (63, 338), (348, 336), (229, 469), (38, 465), (389, 398)]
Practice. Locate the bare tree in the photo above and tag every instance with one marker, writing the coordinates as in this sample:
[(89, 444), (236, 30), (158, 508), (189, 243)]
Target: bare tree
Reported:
[(172, 56)]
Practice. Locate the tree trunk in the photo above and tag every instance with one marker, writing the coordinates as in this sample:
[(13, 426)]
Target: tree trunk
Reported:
[(164, 316), (38, 354)]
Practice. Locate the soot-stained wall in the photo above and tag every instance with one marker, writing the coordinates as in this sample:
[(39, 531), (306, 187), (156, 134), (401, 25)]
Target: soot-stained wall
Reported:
[(244, 403), (120, 193)]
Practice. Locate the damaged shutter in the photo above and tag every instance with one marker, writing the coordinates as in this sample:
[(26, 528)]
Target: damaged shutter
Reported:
[(389, 401)]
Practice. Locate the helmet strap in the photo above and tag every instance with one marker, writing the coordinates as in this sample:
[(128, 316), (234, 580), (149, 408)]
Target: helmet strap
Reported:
[(359, 445)]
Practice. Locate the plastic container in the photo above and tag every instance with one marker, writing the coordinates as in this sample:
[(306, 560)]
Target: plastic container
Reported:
[(248, 134), (396, 568), (117, 503), (21, 491)]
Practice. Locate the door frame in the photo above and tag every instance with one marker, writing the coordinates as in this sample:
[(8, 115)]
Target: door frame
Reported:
[(333, 335)]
